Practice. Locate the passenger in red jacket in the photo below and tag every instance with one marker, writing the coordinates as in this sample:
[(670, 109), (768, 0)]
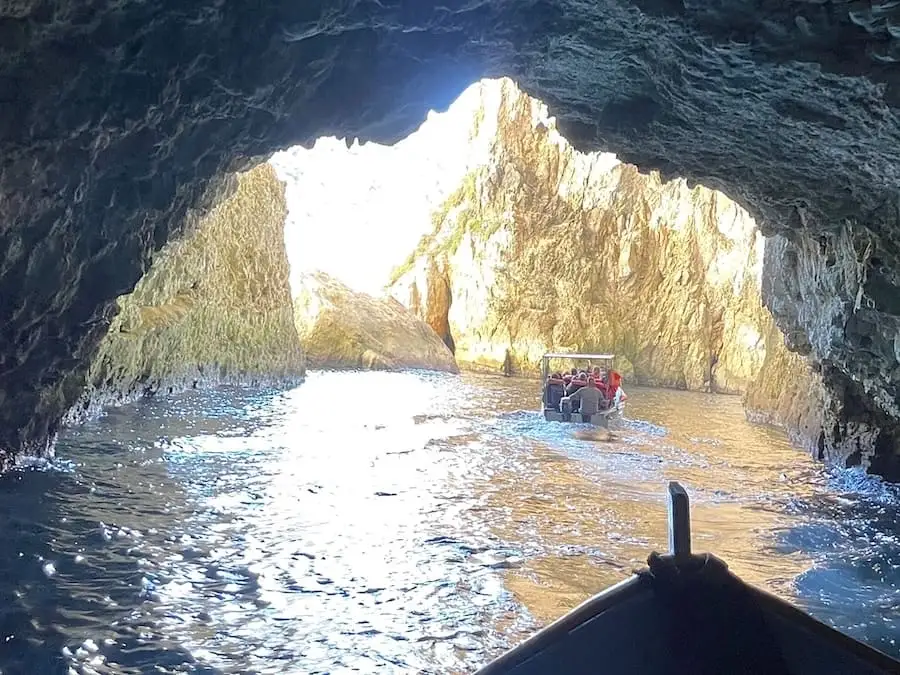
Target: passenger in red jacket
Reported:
[(615, 381), (599, 376)]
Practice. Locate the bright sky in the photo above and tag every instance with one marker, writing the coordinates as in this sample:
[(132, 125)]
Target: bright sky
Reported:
[(357, 212)]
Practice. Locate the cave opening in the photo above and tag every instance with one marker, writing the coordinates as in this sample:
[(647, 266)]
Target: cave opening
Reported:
[(264, 525), (93, 184), (468, 224)]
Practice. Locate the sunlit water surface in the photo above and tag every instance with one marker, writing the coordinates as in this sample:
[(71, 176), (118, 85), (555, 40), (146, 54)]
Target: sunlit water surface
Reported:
[(402, 523)]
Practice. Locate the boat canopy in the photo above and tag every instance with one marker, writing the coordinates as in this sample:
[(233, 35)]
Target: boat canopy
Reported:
[(545, 360), (599, 357)]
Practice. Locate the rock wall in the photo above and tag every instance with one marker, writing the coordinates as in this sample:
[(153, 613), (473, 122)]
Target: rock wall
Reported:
[(214, 307), (118, 118), (341, 328), (788, 391), (544, 248), (833, 296), (822, 410)]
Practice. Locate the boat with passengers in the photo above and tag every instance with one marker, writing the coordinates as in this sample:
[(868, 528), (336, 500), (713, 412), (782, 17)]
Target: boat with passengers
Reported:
[(557, 386), (686, 614)]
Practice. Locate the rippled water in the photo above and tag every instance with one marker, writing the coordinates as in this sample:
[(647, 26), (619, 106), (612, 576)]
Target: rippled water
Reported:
[(424, 531)]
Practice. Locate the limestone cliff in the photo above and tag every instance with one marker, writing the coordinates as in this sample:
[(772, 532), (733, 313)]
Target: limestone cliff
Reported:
[(341, 328), (821, 409), (215, 306), (545, 248)]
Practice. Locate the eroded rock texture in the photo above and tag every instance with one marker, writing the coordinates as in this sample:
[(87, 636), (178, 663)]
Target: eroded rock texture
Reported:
[(214, 307), (117, 117), (342, 328), (543, 248), (833, 295)]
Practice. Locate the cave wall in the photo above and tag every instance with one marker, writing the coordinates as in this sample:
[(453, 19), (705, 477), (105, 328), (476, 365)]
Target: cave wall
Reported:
[(543, 248), (118, 118), (788, 391), (343, 328), (833, 296), (215, 306)]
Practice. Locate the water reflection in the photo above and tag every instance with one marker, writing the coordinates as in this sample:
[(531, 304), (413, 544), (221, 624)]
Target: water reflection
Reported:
[(285, 532)]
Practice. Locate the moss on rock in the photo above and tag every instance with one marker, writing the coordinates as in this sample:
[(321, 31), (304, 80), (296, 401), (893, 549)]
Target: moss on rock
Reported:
[(215, 306)]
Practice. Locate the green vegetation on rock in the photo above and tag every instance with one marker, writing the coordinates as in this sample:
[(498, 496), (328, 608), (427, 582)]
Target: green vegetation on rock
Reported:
[(214, 306)]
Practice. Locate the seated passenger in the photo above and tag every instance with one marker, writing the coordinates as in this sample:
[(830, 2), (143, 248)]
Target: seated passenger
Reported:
[(590, 397), (554, 392), (577, 383), (599, 376)]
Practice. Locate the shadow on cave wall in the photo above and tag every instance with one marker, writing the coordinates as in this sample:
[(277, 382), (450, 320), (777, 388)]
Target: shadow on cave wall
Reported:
[(438, 302)]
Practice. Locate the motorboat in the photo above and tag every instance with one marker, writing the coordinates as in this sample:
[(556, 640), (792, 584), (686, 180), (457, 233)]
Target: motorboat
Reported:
[(688, 614), (559, 409)]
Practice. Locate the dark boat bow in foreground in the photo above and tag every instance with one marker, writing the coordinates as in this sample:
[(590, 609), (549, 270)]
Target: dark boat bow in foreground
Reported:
[(688, 614)]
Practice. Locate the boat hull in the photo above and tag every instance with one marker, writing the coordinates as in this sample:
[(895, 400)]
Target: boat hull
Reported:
[(607, 418), (711, 623)]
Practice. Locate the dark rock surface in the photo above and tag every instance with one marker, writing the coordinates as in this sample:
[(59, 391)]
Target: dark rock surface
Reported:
[(116, 117)]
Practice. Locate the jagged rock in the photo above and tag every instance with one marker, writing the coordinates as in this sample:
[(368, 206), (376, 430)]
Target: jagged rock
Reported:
[(214, 307), (821, 409), (830, 296), (342, 328), (546, 249), (119, 117)]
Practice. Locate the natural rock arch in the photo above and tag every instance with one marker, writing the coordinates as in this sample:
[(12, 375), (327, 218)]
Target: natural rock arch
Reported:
[(117, 117)]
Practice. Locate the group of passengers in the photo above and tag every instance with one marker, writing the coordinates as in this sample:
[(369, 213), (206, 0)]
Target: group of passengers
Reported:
[(594, 390)]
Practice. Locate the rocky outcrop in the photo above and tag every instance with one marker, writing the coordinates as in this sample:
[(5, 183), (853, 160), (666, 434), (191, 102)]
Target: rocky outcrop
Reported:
[(118, 118), (833, 297), (547, 249), (822, 410), (214, 307), (341, 328)]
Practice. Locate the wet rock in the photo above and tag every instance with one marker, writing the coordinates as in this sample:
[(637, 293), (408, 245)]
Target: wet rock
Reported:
[(341, 328), (543, 248), (214, 307), (118, 118), (823, 410)]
